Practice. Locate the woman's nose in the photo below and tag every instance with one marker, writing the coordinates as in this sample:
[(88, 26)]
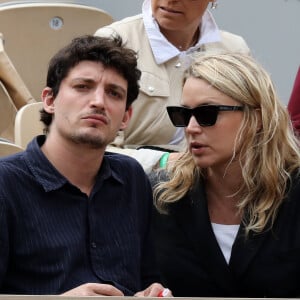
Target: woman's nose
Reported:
[(193, 125)]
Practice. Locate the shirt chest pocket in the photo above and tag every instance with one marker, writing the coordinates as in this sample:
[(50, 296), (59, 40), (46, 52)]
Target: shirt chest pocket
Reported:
[(154, 86)]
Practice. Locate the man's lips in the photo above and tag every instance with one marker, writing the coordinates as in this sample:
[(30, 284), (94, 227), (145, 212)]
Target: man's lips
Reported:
[(97, 118)]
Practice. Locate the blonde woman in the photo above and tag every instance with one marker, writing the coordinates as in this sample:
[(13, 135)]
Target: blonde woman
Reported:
[(229, 209)]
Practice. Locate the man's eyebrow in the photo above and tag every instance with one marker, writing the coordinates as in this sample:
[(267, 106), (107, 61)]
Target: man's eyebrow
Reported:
[(117, 87), (113, 86), (85, 79)]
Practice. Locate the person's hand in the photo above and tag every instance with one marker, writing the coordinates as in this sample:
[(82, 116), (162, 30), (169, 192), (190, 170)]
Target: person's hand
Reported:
[(154, 290), (94, 289)]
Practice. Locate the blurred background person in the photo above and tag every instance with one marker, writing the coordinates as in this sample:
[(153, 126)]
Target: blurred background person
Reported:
[(165, 35), (294, 104)]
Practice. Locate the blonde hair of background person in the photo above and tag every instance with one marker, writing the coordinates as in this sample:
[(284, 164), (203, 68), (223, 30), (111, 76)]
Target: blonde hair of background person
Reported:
[(268, 156)]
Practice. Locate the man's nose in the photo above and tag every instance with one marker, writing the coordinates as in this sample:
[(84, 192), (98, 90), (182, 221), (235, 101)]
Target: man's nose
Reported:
[(98, 97)]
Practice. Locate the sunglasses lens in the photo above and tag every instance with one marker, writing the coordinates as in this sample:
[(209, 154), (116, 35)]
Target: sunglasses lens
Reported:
[(179, 116), (206, 115)]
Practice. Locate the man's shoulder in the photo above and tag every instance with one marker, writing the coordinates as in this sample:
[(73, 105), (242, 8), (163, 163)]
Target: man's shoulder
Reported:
[(12, 161), (122, 160), (127, 169), (12, 169)]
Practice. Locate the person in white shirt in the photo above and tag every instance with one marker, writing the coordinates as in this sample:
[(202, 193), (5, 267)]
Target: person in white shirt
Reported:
[(165, 35)]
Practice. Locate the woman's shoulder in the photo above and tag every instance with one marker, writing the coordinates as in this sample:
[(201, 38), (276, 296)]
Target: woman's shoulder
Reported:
[(121, 27), (295, 182), (130, 29), (158, 176), (234, 42)]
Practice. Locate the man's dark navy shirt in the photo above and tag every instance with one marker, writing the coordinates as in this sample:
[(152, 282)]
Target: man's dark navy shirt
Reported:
[(53, 237)]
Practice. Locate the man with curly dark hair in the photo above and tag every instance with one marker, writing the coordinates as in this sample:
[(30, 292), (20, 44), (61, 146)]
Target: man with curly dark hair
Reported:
[(75, 219)]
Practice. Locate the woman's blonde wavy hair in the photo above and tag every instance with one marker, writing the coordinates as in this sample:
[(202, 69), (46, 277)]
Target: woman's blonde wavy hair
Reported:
[(268, 156)]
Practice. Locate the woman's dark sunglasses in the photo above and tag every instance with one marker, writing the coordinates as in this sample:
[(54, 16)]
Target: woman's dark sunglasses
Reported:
[(206, 115)]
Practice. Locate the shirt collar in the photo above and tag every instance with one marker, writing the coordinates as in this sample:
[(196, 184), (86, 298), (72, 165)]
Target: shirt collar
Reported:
[(49, 177), (162, 49)]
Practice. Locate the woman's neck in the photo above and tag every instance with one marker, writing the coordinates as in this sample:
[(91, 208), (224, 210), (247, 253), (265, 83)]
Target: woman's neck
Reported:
[(182, 40), (223, 196)]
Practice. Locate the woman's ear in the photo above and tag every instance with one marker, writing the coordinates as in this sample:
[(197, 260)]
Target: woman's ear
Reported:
[(48, 100)]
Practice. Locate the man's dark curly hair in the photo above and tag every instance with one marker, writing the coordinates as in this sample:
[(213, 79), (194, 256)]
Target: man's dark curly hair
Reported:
[(110, 51)]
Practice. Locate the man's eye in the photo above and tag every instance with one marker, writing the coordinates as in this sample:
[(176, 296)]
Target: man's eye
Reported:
[(81, 86), (115, 94)]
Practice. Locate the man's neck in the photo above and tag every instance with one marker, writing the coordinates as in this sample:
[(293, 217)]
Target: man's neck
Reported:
[(78, 163)]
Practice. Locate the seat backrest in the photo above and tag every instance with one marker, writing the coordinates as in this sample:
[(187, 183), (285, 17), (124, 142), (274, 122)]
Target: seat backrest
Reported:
[(7, 148), (28, 124), (7, 115), (34, 31)]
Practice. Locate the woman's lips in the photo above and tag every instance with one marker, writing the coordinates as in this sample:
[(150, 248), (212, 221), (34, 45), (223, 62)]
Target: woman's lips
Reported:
[(197, 148), (169, 10)]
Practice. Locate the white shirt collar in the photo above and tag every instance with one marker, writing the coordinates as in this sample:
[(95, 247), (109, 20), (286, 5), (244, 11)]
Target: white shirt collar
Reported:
[(162, 49)]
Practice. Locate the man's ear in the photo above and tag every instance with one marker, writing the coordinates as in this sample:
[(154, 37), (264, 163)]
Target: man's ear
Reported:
[(126, 118), (48, 100)]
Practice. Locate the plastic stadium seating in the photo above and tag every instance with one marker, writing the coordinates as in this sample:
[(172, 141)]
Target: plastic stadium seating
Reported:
[(7, 148), (28, 124), (33, 31)]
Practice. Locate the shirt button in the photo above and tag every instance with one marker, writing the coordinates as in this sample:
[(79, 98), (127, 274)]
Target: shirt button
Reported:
[(151, 89), (178, 65), (93, 245)]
